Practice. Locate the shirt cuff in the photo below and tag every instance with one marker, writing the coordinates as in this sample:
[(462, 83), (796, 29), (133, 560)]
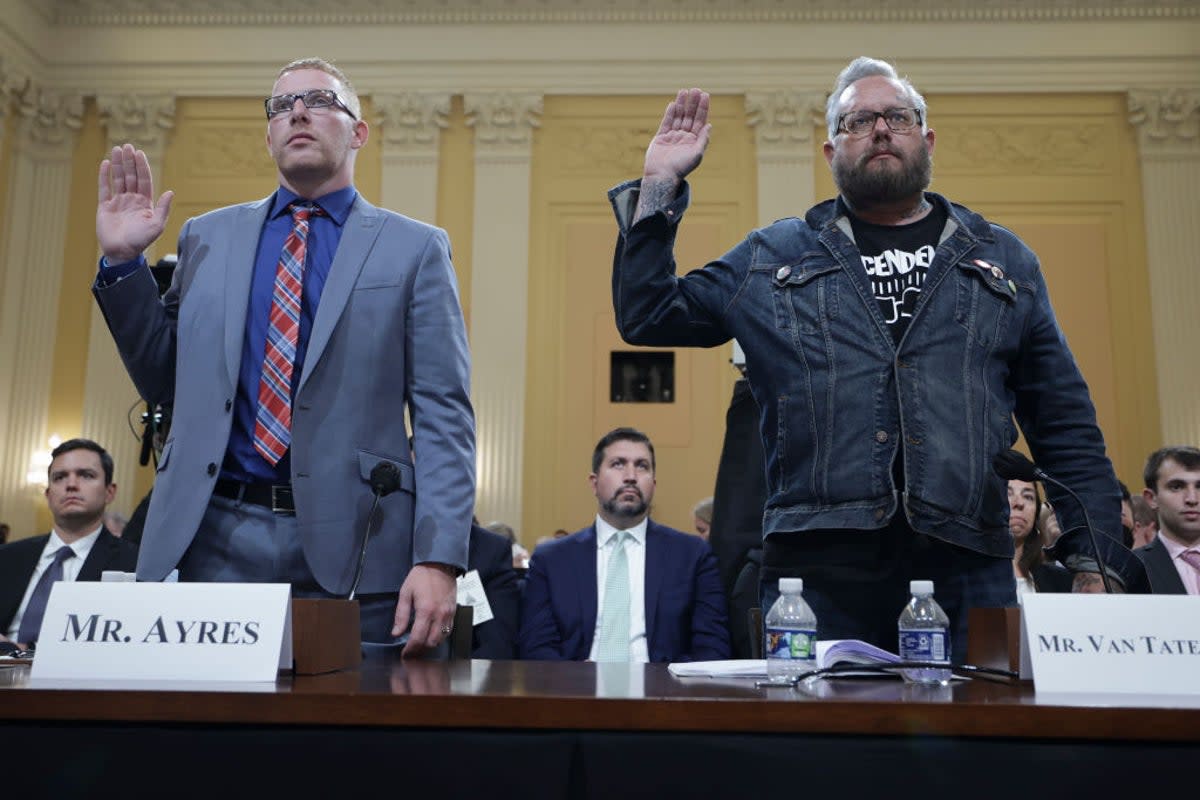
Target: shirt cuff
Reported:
[(111, 273)]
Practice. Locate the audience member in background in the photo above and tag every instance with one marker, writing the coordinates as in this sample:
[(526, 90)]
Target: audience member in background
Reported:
[(520, 556), (80, 486), (561, 533), (1048, 524), (115, 522), (1032, 572), (4, 531), (1145, 521), (1126, 514), (702, 514), (490, 555), (624, 588), (1172, 559)]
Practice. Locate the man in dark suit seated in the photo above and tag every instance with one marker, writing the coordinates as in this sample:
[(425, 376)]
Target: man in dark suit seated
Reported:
[(490, 555), (79, 548), (624, 588), (1172, 558)]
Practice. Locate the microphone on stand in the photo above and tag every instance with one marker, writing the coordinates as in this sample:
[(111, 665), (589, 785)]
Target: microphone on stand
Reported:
[(385, 479), (1011, 465)]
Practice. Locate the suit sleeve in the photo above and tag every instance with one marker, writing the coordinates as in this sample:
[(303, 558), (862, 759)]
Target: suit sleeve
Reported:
[(710, 629), (143, 326), (540, 638), (438, 392)]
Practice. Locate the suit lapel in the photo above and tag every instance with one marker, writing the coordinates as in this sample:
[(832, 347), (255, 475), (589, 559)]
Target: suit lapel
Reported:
[(362, 229), (98, 557), (585, 579), (14, 576), (656, 561), (239, 271)]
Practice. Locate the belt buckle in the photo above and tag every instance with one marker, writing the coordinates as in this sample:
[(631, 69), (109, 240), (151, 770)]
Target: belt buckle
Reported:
[(282, 501)]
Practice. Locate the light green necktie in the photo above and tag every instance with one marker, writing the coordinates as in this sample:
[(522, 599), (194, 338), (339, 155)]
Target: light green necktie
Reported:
[(613, 637)]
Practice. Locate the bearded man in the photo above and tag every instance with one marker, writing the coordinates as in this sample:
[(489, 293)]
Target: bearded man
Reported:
[(624, 588), (894, 341)]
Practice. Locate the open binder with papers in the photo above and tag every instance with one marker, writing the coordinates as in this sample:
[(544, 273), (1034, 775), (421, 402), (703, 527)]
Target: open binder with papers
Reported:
[(831, 652)]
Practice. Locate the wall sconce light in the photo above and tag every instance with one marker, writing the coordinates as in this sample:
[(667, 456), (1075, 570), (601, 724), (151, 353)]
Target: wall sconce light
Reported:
[(39, 462)]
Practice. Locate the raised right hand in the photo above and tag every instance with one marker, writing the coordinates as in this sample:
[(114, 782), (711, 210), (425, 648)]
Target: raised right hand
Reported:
[(127, 218), (682, 137)]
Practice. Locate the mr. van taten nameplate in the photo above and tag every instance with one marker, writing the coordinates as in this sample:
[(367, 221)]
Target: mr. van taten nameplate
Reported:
[(165, 631), (1128, 644)]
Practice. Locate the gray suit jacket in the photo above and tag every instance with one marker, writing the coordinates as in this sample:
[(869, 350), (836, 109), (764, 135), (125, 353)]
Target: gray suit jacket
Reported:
[(388, 333), (1164, 577)]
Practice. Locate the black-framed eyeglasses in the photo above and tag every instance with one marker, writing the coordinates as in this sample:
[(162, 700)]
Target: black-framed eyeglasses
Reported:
[(313, 98), (898, 120)]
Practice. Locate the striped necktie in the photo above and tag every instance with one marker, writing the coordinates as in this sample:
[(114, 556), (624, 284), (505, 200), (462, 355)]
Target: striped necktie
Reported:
[(273, 420), (613, 637), (35, 610)]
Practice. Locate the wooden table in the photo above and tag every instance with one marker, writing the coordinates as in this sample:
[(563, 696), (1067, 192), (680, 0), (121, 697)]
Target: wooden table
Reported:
[(555, 730)]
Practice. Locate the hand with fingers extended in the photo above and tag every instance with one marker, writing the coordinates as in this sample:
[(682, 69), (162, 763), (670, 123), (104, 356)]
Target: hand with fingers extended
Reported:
[(682, 137), (428, 597), (128, 220)]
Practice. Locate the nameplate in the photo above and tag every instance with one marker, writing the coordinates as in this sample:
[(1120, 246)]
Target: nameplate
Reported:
[(1127, 644), (165, 631)]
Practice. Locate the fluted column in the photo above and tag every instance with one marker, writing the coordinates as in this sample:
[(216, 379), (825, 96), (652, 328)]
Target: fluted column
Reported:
[(145, 121), (783, 123), (1168, 129), (504, 124), (411, 124), (34, 237)]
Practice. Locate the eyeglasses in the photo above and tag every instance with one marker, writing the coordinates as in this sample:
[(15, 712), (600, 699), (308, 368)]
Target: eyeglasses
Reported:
[(860, 123), (313, 98)]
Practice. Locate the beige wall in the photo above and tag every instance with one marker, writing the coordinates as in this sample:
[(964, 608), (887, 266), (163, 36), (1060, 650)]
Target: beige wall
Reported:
[(1034, 129)]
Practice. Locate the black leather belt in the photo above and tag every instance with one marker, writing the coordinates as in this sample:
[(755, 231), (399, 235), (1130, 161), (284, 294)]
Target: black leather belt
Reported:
[(277, 497)]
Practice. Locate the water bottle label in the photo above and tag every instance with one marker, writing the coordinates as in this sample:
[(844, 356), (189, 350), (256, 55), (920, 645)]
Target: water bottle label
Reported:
[(924, 645), (791, 644)]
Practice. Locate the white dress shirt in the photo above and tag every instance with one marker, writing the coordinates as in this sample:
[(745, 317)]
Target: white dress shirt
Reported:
[(635, 552), (1187, 573), (71, 567)]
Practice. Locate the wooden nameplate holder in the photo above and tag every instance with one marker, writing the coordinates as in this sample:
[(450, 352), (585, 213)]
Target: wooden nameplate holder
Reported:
[(325, 635), (994, 638)]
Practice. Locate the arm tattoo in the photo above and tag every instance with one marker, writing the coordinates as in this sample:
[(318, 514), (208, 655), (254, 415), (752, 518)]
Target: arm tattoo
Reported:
[(1087, 582), (653, 197)]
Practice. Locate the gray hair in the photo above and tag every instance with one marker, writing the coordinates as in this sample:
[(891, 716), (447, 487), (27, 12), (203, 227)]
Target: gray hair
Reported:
[(864, 67)]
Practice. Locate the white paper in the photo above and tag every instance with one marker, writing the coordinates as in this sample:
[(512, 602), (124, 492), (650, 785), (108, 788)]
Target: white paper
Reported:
[(730, 668), (471, 593)]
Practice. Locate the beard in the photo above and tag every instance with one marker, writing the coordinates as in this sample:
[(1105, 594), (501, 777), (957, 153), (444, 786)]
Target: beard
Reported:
[(865, 187), (619, 507)]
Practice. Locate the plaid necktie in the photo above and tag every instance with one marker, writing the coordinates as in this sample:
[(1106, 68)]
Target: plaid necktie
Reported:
[(613, 636), (273, 422), (31, 620)]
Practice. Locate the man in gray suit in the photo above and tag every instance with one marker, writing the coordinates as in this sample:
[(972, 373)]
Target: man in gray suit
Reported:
[(296, 332)]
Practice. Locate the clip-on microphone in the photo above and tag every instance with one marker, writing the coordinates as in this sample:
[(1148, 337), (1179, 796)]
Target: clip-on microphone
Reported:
[(385, 479)]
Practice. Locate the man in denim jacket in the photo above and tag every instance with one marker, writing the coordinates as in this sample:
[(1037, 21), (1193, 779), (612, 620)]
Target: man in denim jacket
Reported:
[(891, 337)]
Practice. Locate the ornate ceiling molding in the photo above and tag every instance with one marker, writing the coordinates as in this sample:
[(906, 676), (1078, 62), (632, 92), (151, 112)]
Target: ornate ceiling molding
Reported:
[(74, 13)]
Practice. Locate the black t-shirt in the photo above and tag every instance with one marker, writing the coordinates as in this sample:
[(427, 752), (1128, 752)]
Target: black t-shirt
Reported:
[(897, 258)]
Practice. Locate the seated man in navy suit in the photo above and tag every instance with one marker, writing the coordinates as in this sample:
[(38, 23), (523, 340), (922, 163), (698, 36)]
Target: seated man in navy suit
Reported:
[(79, 548), (624, 588)]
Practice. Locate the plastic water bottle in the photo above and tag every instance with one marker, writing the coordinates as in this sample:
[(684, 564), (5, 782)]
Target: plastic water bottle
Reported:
[(789, 634), (924, 635)]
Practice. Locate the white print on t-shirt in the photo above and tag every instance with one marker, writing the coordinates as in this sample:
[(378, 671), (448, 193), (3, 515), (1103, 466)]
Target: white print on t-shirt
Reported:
[(896, 279)]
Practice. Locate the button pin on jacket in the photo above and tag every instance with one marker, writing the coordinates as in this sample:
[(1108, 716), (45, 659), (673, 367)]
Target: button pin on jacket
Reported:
[(782, 273)]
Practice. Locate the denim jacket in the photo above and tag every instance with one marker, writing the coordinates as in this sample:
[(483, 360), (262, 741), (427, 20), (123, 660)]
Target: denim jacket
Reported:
[(840, 400)]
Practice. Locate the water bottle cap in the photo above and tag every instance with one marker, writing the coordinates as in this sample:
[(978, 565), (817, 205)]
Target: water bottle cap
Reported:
[(920, 587), (791, 585)]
